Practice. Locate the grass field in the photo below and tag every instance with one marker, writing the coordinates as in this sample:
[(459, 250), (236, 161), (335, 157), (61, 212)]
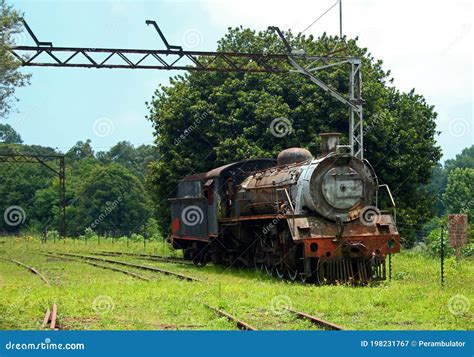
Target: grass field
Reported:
[(93, 298)]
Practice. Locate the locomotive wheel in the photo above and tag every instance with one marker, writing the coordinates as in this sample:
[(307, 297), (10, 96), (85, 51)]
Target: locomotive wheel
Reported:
[(268, 269), (292, 274), (279, 271)]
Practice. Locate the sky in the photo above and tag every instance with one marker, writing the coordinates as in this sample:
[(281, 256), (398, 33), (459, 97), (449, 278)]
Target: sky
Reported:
[(427, 45)]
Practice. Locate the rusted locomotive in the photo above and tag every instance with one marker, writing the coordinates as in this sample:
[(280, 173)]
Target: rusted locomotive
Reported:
[(298, 217)]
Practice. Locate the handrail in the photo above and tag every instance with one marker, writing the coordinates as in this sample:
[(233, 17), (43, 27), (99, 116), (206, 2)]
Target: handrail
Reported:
[(391, 198)]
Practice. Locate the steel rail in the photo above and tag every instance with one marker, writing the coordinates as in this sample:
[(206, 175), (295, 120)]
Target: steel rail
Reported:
[(143, 267), (151, 257), (241, 325), (135, 275), (51, 318), (30, 268), (316, 320)]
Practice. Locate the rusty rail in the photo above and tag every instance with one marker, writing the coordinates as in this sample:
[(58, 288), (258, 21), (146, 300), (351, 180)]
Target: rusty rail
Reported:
[(50, 318), (316, 320), (241, 325), (131, 273), (30, 268), (151, 257), (143, 267)]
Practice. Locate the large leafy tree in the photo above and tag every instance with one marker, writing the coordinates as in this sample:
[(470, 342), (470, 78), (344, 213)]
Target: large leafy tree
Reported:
[(439, 176), (19, 184), (136, 159), (10, 76), (459, 195), (110, 199), (203, 120)]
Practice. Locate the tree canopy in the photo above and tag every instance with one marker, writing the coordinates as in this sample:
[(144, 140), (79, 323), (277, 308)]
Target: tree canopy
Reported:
[(203, 120), (10, 77), (104, 190)]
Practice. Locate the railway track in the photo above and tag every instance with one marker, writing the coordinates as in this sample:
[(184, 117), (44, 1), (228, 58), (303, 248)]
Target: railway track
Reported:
[(138, 266), (151, 257), (241, 325), (30, 268), (123, 271), (50, 318), (316, 320)]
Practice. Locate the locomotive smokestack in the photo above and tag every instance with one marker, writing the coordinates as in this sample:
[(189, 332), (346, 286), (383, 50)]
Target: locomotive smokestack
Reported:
[(329, 142)]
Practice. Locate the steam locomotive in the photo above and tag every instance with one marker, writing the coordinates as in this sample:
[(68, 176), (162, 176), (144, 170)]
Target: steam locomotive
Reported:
[(299, 217)]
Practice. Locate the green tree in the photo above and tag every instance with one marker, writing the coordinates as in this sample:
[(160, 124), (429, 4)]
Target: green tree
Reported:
[(10, 77), (136, 159), (80, 150), (203, 120), (463, 160), (439, 176), (109, 199), (459, 195), (8, 135)]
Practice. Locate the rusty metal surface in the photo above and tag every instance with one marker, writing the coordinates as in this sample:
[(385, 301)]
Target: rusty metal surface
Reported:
[(316, 320), (30, 268), (54, 315), (152, 257), (123, 271), (239, 323), (143, 267), (46, 319), (457, 230), (250, 165), (50, 319)]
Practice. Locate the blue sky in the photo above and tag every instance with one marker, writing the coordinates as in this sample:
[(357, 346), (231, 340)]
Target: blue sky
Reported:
[(426, 44)]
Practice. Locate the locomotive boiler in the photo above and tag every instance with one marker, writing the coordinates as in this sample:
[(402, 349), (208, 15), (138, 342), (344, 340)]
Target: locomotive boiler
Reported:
[(300, 217)]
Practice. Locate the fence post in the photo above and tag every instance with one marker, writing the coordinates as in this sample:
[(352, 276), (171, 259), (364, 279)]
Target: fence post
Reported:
[(442, 257)]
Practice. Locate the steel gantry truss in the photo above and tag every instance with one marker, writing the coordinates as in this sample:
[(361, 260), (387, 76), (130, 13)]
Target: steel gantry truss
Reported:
[(45, 54), (61, 172)]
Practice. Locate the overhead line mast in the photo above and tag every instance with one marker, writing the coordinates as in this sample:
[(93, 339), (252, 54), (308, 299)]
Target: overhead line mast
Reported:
[(175, 58)]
